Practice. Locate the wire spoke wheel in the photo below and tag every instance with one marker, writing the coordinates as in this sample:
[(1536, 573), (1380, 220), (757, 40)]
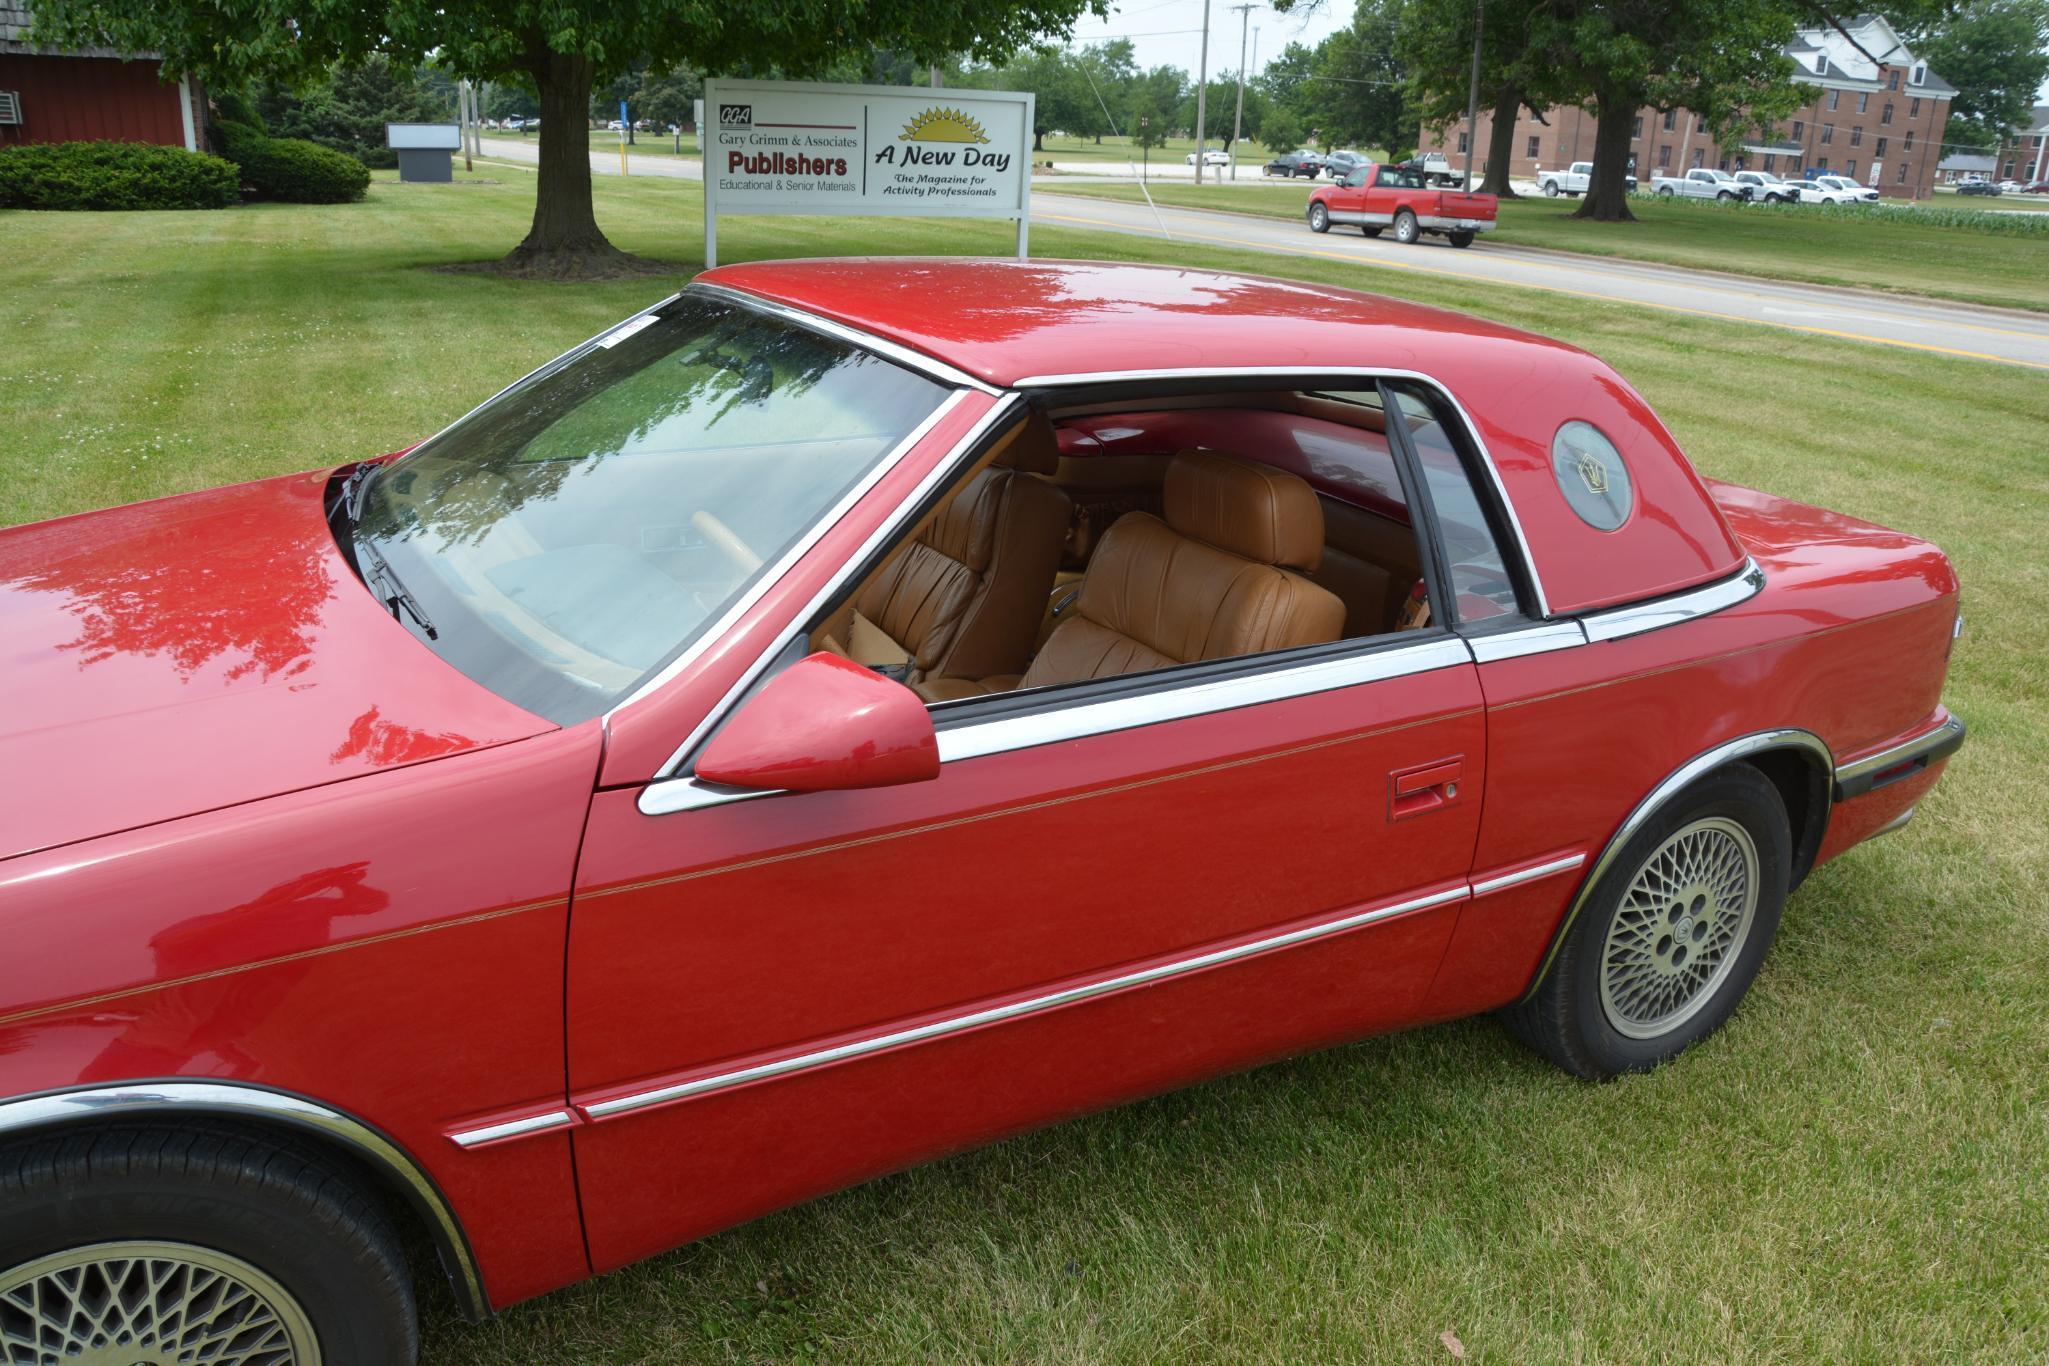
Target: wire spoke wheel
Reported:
[(144, 1303), (1680, 928)]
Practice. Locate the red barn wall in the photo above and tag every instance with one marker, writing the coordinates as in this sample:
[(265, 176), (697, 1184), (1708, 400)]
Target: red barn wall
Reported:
[(85, 99)]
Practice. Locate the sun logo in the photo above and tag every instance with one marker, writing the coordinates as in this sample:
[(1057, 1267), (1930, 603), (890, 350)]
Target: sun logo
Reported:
[(943, 125)]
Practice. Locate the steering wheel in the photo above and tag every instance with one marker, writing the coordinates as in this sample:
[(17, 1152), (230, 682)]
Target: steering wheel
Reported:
[(726, 542)]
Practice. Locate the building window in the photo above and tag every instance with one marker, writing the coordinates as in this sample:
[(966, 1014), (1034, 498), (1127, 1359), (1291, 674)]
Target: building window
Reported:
[(1771, 162), (1821, 164), (1879, 150), (1885, 114), (1462, 143), (1637, 131), (1670, 115), (1835, 97), (1697, 154), (1828, 134), (1857, 136), (1664, 156), (1892, 80), (1863, 100), (1799, 129), (1903, 174), (1914, 107), (1533, 149), (2008, 172), (1907, 143), (1850, 168), (1919, 75)]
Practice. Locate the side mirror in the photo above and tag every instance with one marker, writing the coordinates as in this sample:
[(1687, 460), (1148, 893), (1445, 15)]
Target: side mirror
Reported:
[(824, 724)]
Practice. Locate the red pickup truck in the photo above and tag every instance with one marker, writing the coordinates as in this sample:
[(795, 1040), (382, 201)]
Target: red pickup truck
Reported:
[(1377, 197)]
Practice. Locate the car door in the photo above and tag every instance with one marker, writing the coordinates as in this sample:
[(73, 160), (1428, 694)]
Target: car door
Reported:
[(1107, 890)]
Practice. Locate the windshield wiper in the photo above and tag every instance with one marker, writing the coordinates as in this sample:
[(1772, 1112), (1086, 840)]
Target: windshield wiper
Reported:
[(396, 597), (355, 488)]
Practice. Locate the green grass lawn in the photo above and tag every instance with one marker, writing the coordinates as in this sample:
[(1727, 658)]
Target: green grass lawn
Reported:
[(2000, 269), (1856, 1168)]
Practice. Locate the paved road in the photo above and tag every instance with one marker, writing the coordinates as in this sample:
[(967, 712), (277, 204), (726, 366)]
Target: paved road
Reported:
[(1884, 320)]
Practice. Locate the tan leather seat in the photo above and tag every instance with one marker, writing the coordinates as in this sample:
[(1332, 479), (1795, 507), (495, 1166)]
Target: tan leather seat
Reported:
[(1213, 580), (966, 595)]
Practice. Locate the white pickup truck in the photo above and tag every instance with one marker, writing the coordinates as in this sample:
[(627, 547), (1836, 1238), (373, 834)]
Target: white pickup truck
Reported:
[(1702, 183), (1573, 180)]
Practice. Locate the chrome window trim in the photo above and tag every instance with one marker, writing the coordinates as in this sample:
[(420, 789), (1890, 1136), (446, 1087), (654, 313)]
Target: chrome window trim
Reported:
[(1700, 765), (1616, 623), (1522, 875), (1538, 639), (512, 1128), (1341, 372), (876, 1043), (773, 574), (182, 1099), (930, 366), (940, 471), (1003, 734), (1905, 751)]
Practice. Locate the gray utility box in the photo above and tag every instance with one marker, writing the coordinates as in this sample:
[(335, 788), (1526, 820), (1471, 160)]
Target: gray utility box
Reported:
[(425, 150)]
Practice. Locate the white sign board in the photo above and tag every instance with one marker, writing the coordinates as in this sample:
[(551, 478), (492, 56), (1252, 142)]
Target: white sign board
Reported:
[(901, 151)]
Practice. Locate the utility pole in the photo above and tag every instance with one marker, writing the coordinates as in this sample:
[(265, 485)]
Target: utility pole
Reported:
[(1473, 93), (935, 75), (1238, 119), (1202, 96)]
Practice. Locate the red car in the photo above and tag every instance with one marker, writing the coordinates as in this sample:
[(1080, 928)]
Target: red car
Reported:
[(1377, 198), (854, 710)]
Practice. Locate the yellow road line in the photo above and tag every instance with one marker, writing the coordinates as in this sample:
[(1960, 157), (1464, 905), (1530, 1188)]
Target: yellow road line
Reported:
[(1464, 278)]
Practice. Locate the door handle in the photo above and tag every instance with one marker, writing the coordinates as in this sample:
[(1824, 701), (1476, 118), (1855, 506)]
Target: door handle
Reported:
[(1426, 787)]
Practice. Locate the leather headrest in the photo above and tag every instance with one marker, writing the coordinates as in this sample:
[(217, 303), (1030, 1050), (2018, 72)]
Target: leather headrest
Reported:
[(1031, 446), (1252, 510)]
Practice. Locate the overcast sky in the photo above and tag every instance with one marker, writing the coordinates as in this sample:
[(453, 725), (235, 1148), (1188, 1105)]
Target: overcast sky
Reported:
[(1169, 32)]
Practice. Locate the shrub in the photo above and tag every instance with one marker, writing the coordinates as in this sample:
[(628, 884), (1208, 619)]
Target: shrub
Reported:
[(290, 170), (114, 175)]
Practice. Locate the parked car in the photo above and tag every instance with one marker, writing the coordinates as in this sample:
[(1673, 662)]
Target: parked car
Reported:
[(1338, 165), (635, 808), (2039, 187), (1377, 198), (1702, 182), (1768, 187), (1814, 192), (1299, 163), (1573, 180), (1849, 188), (2009, 186), (1977, 186), (1211, 157)]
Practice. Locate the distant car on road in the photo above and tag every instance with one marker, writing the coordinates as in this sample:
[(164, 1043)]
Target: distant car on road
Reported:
[(1338, 165), (2009, 187), (1979, 186), (1300, 163), (1768, 187), (1401, 197), (1848, 188), (1211, 157), (1573, 180), (2039, 187), (1814, 192), (1702, 182)]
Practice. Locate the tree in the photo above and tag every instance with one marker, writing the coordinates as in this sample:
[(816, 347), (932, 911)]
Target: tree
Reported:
[(1996, 53), (1221, 109), (1722, 59), (1359, 84), (563, 48), (1436, 43), (1155, 103), (1280, 131), (347, 108)]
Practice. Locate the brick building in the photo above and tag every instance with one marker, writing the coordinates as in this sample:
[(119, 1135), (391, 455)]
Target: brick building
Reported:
[(88, 95), (2025, 156), (1879, 123)]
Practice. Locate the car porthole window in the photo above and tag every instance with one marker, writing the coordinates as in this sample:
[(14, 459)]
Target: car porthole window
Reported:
[(1592, 475)]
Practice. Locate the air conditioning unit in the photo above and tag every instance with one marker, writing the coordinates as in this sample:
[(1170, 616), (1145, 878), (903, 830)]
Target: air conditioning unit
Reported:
[(10, 106)]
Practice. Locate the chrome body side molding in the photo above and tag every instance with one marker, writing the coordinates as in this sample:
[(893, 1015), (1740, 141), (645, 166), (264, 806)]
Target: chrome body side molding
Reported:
[(1614, 623), (184, 1099), (1552, 868), (876, 1043), (512, 1128), (1539, 639), (1902, 760), (1803, 742)]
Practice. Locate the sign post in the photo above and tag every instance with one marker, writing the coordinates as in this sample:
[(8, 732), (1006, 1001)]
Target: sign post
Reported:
[(781, 147)]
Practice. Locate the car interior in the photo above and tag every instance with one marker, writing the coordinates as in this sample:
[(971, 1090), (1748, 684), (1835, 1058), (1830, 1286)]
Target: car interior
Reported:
[(1107, 539)]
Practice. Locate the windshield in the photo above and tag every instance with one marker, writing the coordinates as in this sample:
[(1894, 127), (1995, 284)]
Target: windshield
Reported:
[(567, 538)]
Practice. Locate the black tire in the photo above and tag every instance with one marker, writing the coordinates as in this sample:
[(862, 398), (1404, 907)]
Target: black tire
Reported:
[(1369, 230), (1664, 192), (1319, 217), (1724, 195), (281, 1208), (1461, 239), (1567, 1019), (1551, 189), (1406, 229)]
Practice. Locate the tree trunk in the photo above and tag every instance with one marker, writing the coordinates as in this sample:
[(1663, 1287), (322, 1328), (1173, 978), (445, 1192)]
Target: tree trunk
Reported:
[(564, 242), (1508, 102), (1038, 139), (1607, 198)]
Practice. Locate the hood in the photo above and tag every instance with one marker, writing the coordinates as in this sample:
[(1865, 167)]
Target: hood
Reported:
[(176, 656)]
